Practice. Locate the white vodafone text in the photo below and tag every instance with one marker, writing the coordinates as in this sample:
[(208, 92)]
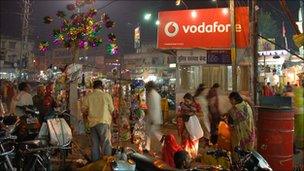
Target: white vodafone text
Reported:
[(210, 28)]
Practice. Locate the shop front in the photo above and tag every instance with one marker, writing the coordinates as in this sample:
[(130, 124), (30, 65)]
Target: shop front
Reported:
[(209, 67), (201, 40), (151, 66), (279, 67)]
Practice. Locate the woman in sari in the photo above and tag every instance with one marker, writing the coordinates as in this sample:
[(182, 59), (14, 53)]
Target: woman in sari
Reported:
[(188, 109), (169, 149), (242, 123)]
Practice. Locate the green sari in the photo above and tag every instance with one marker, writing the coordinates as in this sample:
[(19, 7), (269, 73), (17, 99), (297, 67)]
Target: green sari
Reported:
[(243, 129)]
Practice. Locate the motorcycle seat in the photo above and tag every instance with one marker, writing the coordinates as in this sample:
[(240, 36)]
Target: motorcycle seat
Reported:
[(146, 163), (32, 144)]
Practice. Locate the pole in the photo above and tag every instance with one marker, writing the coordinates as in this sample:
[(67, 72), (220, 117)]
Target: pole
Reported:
[(289, 16), (254, 42), (233, 46), (185, 4), (301, 49), (302, 14)]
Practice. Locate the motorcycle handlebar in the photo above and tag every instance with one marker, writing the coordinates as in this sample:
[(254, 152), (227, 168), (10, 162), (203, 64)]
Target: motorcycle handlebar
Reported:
[(8, 152), (10, 137), (44, 149), (28, 109), (240, 151)]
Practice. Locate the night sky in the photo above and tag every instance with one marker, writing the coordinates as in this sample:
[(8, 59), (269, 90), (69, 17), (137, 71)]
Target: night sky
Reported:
[(126, 13)]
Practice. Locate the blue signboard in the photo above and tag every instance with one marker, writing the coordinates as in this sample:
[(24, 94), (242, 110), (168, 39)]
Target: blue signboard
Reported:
[(219, 57)]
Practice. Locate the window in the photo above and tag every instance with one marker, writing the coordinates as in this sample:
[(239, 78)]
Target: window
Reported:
[(2, 44), (2, 55), (12, 58), (12, 45)]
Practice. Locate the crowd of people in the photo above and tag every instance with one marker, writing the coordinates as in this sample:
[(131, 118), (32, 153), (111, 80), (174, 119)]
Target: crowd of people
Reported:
[(43, 99), (208, 106), (198, 118), (274, 90)]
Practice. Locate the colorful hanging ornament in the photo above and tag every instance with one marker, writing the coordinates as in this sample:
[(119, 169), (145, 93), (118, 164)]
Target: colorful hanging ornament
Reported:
[(67, 44), (112, 49), (112, 37), (56, 32), (47, 19), (98, 42), (89, 1), (83, 44), (73, 17), (81, 30), (60, 14), (109, 24), (71, 7), (80, 3), (92, 12), (105, 17), (43, 46)]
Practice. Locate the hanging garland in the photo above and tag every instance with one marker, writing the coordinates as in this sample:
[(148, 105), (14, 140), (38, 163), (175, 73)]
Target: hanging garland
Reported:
[(80, 30)]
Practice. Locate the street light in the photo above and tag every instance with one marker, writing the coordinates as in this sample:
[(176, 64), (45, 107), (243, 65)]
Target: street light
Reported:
[(178, 2), (147, 16), (193, 14), (225, 11), (157, 22), (215, 1)]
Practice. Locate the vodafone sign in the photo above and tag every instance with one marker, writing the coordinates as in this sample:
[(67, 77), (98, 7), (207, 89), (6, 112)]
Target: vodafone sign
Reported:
[(202, 28)]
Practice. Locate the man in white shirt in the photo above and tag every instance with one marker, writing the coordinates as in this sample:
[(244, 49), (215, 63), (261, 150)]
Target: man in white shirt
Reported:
[(24, 98), (154, 117)]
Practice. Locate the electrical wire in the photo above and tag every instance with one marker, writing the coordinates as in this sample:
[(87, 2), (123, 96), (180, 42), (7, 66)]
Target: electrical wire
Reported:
[(106, 5), (275, 9)]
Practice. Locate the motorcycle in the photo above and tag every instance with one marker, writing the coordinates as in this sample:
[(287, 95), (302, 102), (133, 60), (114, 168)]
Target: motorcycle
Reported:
[(29, 126), (129, 159), (19, 155), (25, 151), (7, 143), (248, 160)]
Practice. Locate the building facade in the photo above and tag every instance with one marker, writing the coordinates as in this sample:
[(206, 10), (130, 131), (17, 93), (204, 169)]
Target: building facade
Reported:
[(92, 59), (11, 60), (150, 64)]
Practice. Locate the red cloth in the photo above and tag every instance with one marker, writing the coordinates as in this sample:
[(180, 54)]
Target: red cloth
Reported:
[(268, 91), (191, 146), (169, 149)]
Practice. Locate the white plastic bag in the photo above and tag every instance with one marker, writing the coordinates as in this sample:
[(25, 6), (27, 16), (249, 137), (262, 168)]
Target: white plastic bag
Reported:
[(194, 128), (44, 132), (60, 132)]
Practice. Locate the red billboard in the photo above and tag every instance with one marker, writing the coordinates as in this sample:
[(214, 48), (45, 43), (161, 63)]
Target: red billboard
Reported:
[(202, 28)]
